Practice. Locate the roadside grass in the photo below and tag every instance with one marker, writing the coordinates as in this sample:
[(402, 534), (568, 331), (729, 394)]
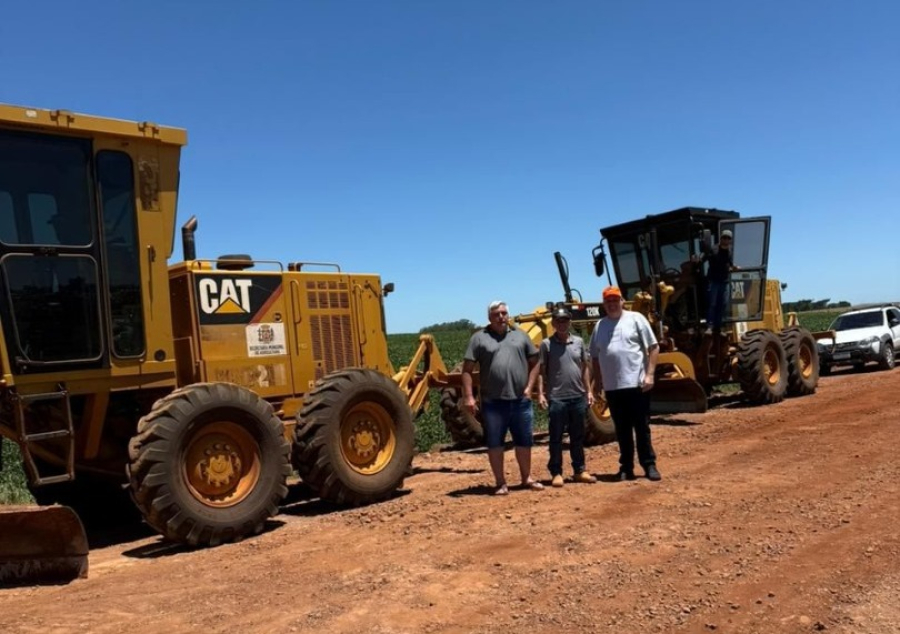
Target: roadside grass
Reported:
[(817, 320), (12, 477)]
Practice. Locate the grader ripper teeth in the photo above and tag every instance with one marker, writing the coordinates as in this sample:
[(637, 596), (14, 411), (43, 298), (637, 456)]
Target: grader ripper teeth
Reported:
[(41, 545)]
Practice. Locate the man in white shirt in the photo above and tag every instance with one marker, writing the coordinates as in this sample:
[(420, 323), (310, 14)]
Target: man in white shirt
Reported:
[(624, 351)]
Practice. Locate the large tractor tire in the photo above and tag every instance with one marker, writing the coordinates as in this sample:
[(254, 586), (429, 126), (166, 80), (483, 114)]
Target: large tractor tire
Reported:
[(802, 361), (354, 439), (762, 367), (599, 428), (465, 429), (887, 361), (209, 464)]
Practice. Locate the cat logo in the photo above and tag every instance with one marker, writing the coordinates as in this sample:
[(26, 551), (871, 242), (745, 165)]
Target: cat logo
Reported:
[(221, 296)]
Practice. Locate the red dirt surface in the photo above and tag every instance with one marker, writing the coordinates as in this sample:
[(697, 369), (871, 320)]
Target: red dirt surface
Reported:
[(769, 519)]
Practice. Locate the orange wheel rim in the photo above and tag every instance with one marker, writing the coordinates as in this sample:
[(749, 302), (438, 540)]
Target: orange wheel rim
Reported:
[(368, 438), (805, 358), (772, 367), (222, 464)]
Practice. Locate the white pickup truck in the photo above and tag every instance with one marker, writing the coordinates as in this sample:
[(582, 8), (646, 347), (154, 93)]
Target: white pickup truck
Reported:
[(862, 335)]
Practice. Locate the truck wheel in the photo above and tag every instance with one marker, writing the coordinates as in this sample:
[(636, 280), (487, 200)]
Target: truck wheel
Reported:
[(761, 367), (887, 361), (355, 438), (209, 464), (599, 428), (802, 361), (465, 429)]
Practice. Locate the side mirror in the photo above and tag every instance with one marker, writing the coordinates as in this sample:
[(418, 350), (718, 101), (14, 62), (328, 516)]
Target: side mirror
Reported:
[(388, 289), (599, 261), (706, 240)]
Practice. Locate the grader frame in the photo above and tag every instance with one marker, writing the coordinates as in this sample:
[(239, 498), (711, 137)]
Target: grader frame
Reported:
[(198, 387)]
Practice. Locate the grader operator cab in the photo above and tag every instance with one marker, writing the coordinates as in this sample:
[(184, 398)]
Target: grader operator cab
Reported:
[(196, 387), (658, 264)]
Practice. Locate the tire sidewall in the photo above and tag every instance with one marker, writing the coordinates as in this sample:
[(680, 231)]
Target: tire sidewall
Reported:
[(378, 389), (245, 411)]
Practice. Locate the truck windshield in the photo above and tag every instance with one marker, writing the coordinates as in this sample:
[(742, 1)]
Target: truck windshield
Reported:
[(869, 319)]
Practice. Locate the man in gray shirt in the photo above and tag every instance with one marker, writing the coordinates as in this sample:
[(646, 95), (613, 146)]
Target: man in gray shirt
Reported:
[(508, 365), (565, 378)]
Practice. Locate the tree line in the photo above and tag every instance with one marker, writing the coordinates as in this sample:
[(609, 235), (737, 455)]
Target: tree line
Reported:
[(803, 305), (450, 326)]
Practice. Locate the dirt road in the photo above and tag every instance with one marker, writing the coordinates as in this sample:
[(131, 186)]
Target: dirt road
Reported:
[(774, 519)]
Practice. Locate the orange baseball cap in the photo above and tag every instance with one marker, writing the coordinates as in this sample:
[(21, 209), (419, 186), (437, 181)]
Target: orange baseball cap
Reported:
[(611, 291)]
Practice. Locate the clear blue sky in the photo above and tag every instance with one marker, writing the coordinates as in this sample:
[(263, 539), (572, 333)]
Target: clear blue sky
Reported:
[(453, 146)]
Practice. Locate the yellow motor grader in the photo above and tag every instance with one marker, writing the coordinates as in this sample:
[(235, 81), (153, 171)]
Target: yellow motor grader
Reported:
[(198, 387), (658, 264)]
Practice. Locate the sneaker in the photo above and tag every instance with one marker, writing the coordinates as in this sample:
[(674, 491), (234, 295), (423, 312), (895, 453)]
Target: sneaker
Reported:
[(653, 473), (584, 476), (624, 475), (557, 481)]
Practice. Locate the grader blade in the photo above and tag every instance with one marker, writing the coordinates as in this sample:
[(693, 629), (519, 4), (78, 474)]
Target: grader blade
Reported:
[(40, 545), (681, 395)]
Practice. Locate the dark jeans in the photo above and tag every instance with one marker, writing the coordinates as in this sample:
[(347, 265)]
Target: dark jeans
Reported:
[(567, 413), (630, 409), (717, 304)]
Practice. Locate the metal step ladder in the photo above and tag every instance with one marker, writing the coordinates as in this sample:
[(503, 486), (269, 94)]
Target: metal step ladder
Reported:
[(29, 439)]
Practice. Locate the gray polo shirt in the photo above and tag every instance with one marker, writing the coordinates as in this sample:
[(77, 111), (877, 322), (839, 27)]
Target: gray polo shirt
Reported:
[(502, 361), (621, 346), (562, 365)]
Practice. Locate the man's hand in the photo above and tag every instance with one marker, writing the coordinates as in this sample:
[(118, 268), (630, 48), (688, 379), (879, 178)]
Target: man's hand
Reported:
[(647, 385), (470, 404), (590, 398), (542, 401)]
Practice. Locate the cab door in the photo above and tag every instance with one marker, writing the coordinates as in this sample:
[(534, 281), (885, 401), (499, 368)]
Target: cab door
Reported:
[(750, 239)]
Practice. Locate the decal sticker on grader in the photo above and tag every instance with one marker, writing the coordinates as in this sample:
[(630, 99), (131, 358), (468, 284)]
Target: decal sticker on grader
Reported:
[(265, 340)]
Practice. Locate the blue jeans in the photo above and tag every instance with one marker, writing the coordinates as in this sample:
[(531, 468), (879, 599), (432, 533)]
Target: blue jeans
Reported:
[(501, 416), (567, 413), (717, 304)]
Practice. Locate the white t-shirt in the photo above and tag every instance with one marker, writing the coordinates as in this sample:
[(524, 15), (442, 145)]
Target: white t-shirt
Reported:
[(620, 346)]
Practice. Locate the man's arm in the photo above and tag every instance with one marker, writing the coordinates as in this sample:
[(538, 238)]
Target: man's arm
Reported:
[(650, 367), (534, 369), (586, 379), (542, 396), (468, 399), (597, 379)]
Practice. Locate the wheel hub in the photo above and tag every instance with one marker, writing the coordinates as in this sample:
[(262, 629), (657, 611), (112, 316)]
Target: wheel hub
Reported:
[(367, 440), (221, 464)]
